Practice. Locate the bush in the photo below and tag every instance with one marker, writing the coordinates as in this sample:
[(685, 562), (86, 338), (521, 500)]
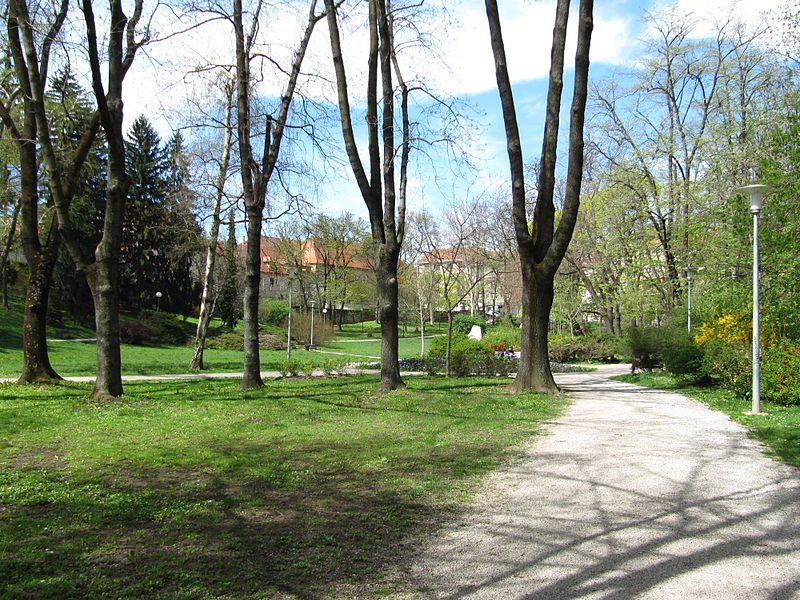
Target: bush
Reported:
[(301, 329), (136, 333), (228, 340), (166, 327), (643, 346), (464, 323), (273, 312), (596, 347), (502, 337), (681, 356), (780, 373), (730, 364), (289, 367), (268, 341)]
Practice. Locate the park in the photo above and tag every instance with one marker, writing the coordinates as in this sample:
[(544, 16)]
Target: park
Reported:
[(286, 313)]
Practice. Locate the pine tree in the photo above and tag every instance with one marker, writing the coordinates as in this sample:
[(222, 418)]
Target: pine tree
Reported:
[(228, 305)]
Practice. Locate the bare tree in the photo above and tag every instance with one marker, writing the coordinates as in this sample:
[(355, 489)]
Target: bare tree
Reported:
[(256, 174), (383, 191), (542, 248), (206, 299)]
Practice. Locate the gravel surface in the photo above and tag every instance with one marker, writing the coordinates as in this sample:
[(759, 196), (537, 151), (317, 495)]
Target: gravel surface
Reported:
[(634, 493)]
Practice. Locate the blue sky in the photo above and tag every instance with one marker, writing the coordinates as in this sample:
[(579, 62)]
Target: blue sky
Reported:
[(462, 68)]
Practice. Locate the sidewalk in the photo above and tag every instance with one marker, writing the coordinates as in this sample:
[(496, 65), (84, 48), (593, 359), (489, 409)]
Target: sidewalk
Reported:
[(635, 493)]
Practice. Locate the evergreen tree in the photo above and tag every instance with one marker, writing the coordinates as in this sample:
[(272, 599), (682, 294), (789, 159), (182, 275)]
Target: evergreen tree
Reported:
[(228, 305), (160, 232)]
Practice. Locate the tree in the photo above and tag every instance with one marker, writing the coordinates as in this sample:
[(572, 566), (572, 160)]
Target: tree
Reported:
[(541, 245), (101, 267), (383, 192), (228, 303), (159, 232), (206, 299), (256, 174)]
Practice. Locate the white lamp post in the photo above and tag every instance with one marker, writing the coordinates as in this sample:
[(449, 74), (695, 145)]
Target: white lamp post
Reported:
[(289, 323), (756, 193), (689, 278), (311, 341), (158, 301)]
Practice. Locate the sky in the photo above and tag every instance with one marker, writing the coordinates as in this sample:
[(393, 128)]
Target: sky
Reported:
[(459, 66)]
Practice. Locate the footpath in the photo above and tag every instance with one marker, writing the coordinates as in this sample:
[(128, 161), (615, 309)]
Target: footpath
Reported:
[(634, 493)]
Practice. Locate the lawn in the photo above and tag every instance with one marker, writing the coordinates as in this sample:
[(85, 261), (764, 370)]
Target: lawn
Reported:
[(179, 490), (779, 429)]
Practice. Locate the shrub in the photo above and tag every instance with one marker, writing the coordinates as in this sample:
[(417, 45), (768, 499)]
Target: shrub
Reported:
[(228, 340), (730, 364), (502, 337), (780, 373), (166, 327), (270, 342), (273, 312), (136, 333), (301, 329), (596, 347), (643, 346), (464, 323), (681, 356), (307, 367), (289, 367)]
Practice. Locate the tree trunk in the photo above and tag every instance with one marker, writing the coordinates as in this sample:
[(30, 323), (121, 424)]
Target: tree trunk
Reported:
[(534, 372), (7, 252), (102, 279), (386, 276), (251, 377), (36, 367)]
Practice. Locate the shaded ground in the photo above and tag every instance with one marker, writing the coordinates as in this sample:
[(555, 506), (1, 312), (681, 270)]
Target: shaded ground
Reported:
[(636, 493)]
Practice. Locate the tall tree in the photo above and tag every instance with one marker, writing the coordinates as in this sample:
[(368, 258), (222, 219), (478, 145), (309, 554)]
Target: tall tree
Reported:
[(542, 246), (206, 299), (101, 267), (383, 190), (30, 53), (256, 174)]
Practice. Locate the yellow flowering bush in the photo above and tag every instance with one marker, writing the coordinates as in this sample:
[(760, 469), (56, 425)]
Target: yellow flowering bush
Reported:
[(730, 329)]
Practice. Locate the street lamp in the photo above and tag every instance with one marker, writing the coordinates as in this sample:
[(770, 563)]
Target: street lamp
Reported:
[(756, 193), (689, 278), (158, 301), (311, 341), (289, 273)]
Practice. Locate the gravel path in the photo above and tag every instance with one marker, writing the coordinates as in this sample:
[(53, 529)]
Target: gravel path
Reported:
[(635, 493)]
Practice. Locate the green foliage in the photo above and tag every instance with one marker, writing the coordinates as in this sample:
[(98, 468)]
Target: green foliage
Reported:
[(730, 364), (780, 373), (273, 311), (160, 234), (151, 327), (289, 367), (682, 357), (643, 346), (229, 306), (596, 347), (502, 337), (464, 323), (227, 340)]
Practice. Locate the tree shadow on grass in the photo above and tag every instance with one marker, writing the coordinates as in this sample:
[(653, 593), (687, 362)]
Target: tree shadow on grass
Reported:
[(192, 534)]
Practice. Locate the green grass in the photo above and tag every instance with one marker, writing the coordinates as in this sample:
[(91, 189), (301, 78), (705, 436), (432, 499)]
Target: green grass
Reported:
[(779, 429), (199, 490)]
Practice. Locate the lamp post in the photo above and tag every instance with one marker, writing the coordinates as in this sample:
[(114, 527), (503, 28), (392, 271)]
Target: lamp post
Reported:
[(756, 193), (689, 278), (311, 341), (289, 321), (158, 301)]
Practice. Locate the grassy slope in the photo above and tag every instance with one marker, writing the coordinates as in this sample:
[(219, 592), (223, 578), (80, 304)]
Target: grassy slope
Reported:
[(779, 429), (203, 491)]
